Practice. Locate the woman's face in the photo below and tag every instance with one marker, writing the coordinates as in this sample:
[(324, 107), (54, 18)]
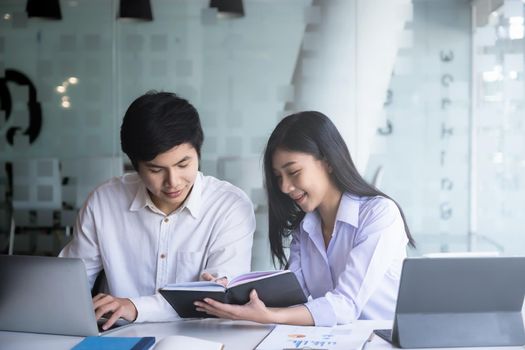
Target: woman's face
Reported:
[(303, 177)]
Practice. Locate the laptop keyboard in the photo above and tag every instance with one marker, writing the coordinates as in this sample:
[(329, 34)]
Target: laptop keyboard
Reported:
[(120, 322)]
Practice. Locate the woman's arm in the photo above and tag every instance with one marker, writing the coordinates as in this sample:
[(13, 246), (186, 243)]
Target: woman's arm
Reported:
[(256, 311)]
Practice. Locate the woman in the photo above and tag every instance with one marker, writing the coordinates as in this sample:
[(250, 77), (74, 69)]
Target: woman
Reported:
[(348, 238)]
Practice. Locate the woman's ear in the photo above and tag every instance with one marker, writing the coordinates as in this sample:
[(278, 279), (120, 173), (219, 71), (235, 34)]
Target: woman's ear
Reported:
[(328, 167)]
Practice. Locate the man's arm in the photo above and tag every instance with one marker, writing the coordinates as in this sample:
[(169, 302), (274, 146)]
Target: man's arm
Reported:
[(85, 245)]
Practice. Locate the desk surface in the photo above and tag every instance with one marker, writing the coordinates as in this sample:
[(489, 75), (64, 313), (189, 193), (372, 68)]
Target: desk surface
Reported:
[(235, 335)]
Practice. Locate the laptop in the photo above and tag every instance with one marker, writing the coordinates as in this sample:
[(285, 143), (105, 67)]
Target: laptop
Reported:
[(47, 295), (459, 302)]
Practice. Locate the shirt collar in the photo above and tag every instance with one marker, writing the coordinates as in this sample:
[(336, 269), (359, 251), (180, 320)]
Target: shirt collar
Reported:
[(311, 222), (193, 203), (141, 199), (348, 212)]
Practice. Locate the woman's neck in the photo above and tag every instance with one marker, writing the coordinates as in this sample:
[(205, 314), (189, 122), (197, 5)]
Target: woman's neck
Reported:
[(328, 210)]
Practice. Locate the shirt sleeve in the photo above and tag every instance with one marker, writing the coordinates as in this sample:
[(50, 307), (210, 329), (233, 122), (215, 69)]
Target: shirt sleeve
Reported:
[(295, 260), (231, 250), (84, 244), (380, 240), (154, 308)]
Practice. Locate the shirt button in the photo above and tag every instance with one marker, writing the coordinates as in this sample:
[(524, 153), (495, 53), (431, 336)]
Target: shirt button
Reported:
[(162, 256), (166, 219)]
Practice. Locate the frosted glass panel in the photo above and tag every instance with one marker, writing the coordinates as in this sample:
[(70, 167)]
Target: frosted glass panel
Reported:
[(450, 147), (87, 68), (499, 113)]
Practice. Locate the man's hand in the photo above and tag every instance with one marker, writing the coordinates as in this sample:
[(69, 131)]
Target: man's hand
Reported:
[(209, 277), (114, 308)]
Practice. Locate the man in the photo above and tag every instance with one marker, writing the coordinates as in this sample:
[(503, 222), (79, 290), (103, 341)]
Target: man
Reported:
[(167, 222)]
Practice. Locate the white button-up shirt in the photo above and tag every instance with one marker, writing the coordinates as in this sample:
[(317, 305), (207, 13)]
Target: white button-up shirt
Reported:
[(120, 230), (358, 275)]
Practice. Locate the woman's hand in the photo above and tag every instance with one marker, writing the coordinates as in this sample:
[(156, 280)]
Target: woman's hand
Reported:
[(254, 310)]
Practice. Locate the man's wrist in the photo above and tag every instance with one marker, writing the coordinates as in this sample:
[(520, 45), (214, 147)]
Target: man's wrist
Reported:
[(134, 310)]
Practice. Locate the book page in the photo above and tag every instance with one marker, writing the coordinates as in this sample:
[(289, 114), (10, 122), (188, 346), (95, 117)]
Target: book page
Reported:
[(254, 276), (198, 285)]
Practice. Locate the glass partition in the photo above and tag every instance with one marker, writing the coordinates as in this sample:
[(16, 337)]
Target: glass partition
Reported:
[(450, 145)]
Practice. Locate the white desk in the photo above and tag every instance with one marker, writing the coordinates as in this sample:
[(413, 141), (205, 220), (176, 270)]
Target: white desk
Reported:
[(235, 335)]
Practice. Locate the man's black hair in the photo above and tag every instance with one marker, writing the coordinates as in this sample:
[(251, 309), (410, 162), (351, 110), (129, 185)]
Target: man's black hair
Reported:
[(155, 123)]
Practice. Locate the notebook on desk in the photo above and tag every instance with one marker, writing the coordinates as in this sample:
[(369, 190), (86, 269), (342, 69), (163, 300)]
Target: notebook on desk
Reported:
[(458, 302), (46, 295)]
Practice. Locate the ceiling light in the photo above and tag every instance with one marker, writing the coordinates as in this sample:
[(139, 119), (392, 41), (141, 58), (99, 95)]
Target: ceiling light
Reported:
[(135, 9), (228, 8), (48, 9)]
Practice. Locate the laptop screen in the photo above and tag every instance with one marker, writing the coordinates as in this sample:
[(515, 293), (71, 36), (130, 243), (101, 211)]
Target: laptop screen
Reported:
[(45, 295), (452, 302)]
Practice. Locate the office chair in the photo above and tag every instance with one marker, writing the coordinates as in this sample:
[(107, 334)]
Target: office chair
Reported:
[(36, 194)]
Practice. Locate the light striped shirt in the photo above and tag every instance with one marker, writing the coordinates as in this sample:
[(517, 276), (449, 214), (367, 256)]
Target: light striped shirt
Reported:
[(120, 230), (357, 276)]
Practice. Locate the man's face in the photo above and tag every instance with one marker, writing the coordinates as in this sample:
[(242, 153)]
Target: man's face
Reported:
[(169, 177)]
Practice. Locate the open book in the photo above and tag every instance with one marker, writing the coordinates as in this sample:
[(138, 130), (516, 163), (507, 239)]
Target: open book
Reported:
[(275, 289)]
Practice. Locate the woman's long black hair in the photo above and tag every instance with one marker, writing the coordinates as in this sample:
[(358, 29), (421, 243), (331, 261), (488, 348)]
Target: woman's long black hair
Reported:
[(313, 133)]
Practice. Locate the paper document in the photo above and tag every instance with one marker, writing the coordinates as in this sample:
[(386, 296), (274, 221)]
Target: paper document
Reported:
[(301, 337), (173, 342)]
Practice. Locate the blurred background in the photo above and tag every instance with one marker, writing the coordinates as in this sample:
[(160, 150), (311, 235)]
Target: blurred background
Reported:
[(428, 94)]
